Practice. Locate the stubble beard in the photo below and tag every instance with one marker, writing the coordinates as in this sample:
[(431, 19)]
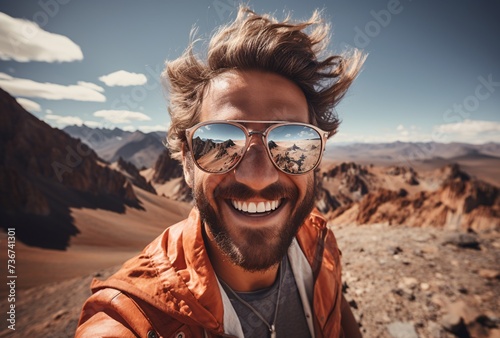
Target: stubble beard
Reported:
[(261, 248)]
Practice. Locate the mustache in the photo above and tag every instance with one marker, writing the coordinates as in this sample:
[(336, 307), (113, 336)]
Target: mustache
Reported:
[(241, 191)]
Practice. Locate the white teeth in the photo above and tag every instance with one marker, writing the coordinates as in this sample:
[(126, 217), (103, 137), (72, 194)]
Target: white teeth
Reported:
[(261, 207), (253, 207)]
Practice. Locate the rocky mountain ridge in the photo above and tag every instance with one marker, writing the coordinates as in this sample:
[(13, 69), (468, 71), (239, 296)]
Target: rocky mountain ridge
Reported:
[(444, 198), (43, 172)]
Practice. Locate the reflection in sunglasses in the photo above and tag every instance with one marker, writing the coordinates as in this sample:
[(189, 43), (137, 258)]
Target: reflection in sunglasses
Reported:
[(294, 148)]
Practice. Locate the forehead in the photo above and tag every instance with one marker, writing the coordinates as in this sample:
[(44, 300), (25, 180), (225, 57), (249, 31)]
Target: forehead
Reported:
[(253, 95)]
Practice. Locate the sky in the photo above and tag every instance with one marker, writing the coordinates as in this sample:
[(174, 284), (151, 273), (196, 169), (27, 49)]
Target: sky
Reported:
[(432, 72)]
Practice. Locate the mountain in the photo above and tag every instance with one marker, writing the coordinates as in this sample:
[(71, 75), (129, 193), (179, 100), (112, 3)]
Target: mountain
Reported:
[(481, 161), (407, 152), (446, 197), (133, 175), (138, 148), (44, 172), (167, 178)]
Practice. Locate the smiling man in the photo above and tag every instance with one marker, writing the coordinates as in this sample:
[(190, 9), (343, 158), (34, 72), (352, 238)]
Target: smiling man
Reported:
[(254, 258)]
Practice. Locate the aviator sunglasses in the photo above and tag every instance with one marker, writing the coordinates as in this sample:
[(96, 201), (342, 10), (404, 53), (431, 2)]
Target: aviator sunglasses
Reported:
[(218, 146)]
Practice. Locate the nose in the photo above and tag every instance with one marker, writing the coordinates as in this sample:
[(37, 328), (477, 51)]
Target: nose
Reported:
[(256, 169)]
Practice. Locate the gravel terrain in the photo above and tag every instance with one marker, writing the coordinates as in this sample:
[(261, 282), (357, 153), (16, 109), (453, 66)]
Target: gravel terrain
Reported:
[(402, 282)]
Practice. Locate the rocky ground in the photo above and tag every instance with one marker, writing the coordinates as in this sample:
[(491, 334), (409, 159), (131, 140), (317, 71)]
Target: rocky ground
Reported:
[(422, 282), (401, 282)]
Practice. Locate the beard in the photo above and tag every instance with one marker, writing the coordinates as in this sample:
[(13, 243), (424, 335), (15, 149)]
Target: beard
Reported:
[(255, 249)]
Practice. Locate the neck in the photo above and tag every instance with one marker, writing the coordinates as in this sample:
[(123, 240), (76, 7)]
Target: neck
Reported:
[(234, 276)]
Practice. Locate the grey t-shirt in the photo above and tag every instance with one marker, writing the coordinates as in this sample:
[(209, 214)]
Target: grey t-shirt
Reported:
[(290, 321)]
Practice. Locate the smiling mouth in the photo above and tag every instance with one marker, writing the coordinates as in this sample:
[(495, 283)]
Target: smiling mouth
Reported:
[(256, 207)]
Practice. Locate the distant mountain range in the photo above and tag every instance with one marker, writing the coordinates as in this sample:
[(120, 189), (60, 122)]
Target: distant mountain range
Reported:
[(143, 149), (406, 153), (138, 148)]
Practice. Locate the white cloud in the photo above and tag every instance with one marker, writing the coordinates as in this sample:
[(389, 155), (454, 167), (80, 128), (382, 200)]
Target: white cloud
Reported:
[(91, 86), (92, 124), (63, 120), (146, 129), (49, 91), (129, 128), (121, 116), (48, 111), (29, 105), (4, 76), (23, 41), (123, 78), (469, 131)]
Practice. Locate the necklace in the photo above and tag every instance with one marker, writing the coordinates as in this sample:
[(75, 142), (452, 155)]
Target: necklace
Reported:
[(271, 327)]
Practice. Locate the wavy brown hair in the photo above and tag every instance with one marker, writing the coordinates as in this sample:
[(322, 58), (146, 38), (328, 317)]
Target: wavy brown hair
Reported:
[(260, 42)]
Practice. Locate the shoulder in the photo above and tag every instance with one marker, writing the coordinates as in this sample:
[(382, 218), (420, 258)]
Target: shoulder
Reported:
[(110, 311), (113, 313)]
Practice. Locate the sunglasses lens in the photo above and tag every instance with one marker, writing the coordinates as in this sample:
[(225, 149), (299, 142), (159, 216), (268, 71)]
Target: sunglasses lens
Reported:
[(295, 149), (218, 147)]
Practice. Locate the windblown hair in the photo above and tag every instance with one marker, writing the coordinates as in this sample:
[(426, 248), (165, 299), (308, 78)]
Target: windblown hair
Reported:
[(255, 42)]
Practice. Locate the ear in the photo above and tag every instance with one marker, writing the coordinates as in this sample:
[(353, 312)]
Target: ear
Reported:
[(187, 166)]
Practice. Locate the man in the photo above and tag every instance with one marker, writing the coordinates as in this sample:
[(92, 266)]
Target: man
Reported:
[(254, 258)]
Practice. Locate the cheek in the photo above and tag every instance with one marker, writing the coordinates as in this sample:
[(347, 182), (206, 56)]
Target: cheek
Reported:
[(207, 183), (303, 183)]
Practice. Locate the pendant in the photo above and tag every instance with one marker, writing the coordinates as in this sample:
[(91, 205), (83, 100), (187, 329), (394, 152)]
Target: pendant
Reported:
[(273, 331)]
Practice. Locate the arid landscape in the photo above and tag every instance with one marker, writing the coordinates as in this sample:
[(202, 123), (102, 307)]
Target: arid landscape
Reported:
[(418, 225)]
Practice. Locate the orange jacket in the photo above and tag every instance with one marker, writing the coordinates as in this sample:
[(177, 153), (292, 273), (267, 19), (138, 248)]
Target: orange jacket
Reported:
[(171, 290)]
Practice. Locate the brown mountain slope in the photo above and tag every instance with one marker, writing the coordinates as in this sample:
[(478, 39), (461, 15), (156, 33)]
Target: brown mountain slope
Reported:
[(44, 172)]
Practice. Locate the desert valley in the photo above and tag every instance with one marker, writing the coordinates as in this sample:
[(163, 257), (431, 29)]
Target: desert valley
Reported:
[(418, 224)]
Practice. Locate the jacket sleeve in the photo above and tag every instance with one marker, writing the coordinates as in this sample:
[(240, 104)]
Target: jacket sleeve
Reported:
[(110, 313), (349, 325), (102, 325)]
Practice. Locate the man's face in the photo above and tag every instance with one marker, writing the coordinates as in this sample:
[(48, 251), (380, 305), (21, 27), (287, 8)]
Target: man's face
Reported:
[(253, 240)]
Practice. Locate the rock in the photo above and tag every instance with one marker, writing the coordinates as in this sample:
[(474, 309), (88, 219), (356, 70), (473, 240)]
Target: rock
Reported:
[(463, 319), (440, 301), (489, 274), (463, 240), (410, 282), (402, 330), (58, 315), (394, 250), (133, 175), (166, 168), (434, 329), (453, 323), (353, 304), (404, 292), (424, 286), (129, 194)]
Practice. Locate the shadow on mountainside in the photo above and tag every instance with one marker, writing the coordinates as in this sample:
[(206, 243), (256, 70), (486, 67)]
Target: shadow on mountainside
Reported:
[(52, 226), (44, 172)]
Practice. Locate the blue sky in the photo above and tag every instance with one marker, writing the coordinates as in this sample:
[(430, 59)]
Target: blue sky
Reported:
[(432, 73)]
